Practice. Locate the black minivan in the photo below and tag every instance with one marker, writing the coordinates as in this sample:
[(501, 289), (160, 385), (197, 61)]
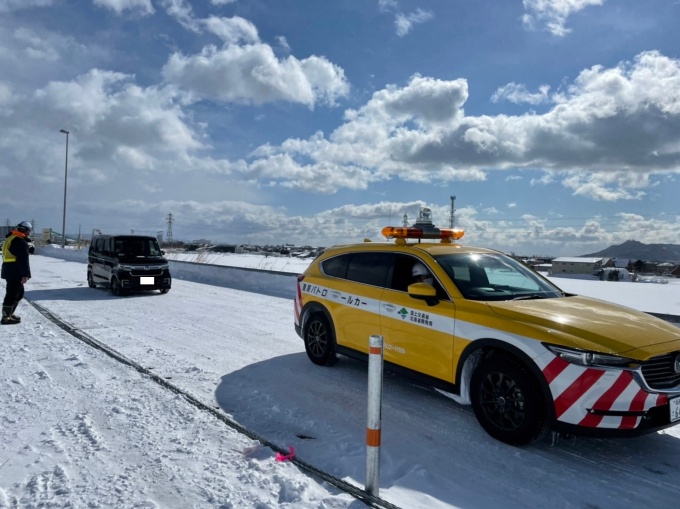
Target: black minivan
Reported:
[(126, 263)]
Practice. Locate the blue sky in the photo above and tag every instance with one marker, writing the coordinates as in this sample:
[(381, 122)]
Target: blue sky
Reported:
[(555, 123)]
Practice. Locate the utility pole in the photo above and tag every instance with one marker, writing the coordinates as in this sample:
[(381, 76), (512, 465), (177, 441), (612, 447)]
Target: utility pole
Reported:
[(63, 221), (452, 217), (169, 220)]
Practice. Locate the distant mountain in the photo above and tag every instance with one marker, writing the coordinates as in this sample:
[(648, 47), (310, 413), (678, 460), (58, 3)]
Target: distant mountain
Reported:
[(638, 251)]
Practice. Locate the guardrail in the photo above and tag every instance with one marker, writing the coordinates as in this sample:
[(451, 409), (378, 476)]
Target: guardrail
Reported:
[(267, 282)]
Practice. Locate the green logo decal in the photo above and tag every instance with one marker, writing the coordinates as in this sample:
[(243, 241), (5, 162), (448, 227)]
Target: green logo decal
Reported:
[(403, 312)]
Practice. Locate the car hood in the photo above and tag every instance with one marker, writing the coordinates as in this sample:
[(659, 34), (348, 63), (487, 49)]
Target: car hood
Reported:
[(592, 324)]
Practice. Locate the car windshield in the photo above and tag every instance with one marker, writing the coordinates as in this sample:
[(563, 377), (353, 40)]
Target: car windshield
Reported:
[(494, 276), (137, 247)]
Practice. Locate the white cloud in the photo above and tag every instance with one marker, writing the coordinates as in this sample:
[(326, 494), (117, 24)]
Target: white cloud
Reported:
[(23, 47), (386, 5), (15, 5), (5, 94), (247, 71), (608, 186), (232, 30), (118, 6), (597, 126), (517, 93), (377, 210), (545, 179), (253, 74), (222, 2), (374, 144), (322, 177), (182, 12), (116, 128), (404, 22), (553, 14), (283, 43)]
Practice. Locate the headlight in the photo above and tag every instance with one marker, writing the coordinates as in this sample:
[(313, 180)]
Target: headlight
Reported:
[(165, 267), (124, 267), (588, 358)]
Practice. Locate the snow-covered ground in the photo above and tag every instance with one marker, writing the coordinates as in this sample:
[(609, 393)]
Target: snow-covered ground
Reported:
[(79, 429)]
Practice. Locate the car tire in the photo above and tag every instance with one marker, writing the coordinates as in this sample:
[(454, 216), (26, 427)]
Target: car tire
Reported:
[(165, 290), (319, 341), (116, 288), (90, 280), (507, 401)]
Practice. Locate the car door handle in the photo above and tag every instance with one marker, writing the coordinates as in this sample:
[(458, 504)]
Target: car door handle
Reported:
[(390, 307)]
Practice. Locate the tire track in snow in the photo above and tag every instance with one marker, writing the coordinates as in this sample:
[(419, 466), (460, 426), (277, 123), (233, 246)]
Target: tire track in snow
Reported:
[(344, 486)]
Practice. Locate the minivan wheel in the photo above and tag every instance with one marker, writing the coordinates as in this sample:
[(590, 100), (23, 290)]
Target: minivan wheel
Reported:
[(507, 401), (165, 290), (116, 289), (90, 281), (319, 341)]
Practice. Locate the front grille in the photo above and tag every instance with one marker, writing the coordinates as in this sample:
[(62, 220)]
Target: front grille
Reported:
[(659, 372), (153, 271)]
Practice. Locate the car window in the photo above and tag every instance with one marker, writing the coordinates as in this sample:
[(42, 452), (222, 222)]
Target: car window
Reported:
[(138, 247), (336, 266), (370, 268), (402, 275), (494, 276)]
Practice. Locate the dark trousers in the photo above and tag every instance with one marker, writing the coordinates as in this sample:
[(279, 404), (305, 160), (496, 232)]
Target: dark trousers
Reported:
[(14, 293)]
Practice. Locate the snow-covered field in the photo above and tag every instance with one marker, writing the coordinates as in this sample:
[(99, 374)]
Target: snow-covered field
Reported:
[(79, 429)]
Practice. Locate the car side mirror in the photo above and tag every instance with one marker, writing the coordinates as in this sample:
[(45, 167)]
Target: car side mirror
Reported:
[(162, 253), (423, 291)]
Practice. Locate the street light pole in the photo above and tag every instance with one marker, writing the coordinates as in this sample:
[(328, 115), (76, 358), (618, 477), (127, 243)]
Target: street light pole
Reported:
[(63, 222)]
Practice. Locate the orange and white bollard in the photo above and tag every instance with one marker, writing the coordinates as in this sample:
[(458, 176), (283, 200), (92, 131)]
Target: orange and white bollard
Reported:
[(375, 383)]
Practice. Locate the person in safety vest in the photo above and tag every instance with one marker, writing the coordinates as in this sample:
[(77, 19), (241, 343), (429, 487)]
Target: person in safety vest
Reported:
[(16, 269)]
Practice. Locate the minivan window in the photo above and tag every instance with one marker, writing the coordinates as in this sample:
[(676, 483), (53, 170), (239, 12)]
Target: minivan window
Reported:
[(99, 245), (136, 247)]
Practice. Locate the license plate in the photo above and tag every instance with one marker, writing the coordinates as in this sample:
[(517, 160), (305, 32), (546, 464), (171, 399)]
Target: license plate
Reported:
[(674, 405), (146, 280)]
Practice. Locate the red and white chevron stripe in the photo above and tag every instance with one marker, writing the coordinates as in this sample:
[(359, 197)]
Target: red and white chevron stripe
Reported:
[(577, 389), (297, 304)]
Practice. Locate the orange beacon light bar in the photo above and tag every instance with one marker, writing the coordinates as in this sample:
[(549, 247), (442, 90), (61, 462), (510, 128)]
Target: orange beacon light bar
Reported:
[(445, 234)]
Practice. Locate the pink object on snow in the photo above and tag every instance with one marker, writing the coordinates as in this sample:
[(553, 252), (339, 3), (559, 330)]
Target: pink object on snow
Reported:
[(286, 457)]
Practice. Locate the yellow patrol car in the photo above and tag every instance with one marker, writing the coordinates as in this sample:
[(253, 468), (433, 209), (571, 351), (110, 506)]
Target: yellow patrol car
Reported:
[(494, 334)]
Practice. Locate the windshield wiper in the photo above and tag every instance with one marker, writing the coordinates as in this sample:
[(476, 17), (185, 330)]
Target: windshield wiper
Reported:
[(530, 297)]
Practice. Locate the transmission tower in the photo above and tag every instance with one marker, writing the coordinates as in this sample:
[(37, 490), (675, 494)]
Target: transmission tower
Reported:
[(452, 217), (168, 235)]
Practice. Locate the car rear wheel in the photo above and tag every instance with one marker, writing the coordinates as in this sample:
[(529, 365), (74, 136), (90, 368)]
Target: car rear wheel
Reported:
[(507, 401), (165, 290), (319, 341), (90, 280)]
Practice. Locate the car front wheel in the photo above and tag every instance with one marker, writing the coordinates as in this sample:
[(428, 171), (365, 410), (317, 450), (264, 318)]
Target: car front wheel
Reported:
[(116, 288), (90, 280), (319, 342), (507, 401)]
